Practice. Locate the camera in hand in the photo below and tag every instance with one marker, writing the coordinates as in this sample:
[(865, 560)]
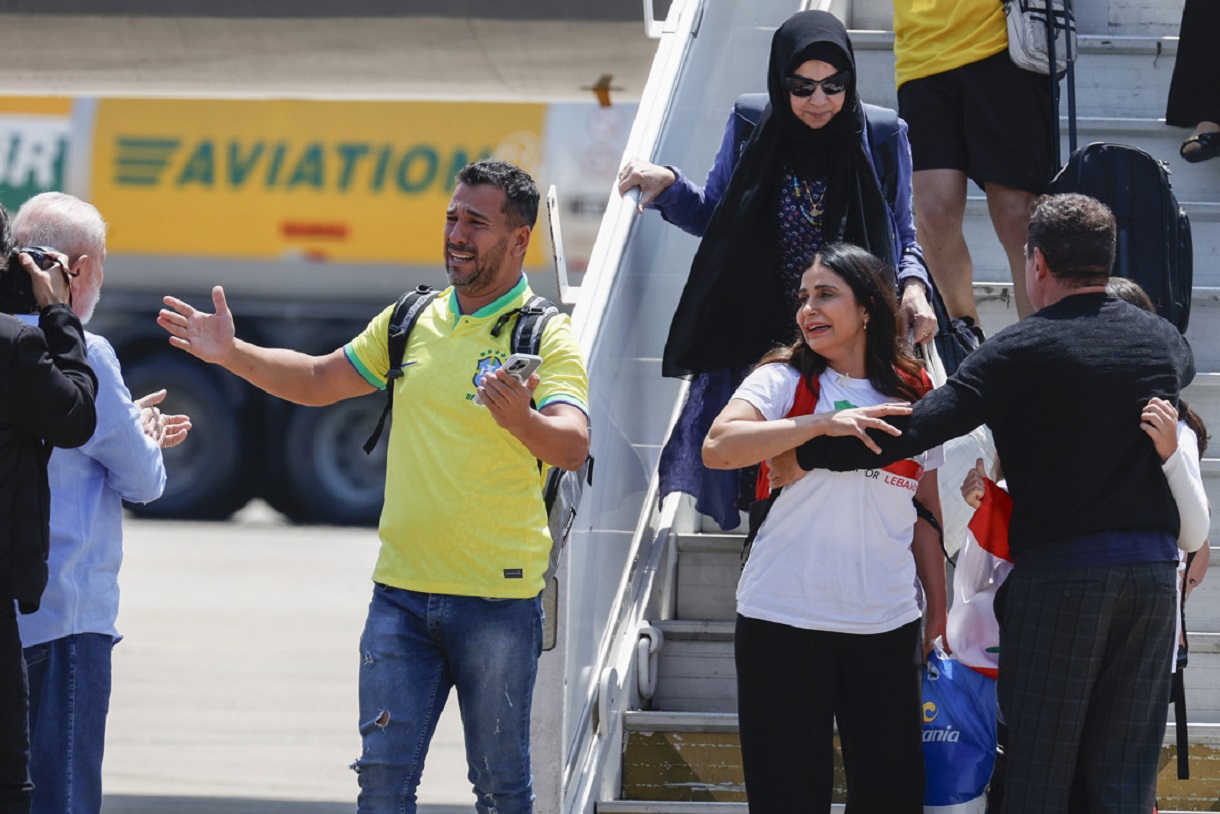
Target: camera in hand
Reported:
[(16, 292)]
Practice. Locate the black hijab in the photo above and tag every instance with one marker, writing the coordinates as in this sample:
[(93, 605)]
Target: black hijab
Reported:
[(734, 307)]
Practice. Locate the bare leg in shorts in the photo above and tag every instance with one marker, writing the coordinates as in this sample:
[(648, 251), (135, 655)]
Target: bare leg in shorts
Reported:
[(1010, 209), (940, 208)]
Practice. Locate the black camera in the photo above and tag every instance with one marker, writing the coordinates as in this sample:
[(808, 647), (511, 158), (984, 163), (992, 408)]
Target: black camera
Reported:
[(16, 292)]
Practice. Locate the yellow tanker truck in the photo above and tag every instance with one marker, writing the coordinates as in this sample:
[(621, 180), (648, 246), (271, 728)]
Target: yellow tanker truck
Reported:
[(313, 215)]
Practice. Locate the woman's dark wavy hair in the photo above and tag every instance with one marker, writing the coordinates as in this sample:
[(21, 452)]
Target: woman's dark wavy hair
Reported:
[(889, 360)]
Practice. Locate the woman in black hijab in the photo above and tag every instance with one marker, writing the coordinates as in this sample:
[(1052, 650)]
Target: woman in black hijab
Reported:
[(804, 166)]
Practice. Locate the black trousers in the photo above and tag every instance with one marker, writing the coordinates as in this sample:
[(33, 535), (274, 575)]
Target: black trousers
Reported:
[(794, 684), (1194, 90), (15, 786)]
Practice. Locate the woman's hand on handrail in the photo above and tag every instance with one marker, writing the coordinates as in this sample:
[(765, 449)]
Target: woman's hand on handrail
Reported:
[(652, 179)]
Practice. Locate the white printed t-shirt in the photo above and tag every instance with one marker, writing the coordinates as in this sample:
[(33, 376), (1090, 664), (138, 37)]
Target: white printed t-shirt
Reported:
[(834, 554)]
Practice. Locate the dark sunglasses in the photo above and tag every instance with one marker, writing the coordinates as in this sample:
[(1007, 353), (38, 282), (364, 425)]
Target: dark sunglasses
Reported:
[(803, 87)]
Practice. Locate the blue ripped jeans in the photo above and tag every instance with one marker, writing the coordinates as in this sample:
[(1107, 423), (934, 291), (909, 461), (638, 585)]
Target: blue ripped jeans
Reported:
[(417, 646)]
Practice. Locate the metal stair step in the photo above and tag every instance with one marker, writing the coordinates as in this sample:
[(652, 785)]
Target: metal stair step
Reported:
[(660, 807), (1114, 76), (708, 568), (1204, 331), (1202, 677), (699, 675), (689, 762), (1191, 182), (1111, 18), (866, 39), (991, 264), (998, 310), (695, 668), (1203, 607), (682, 757), (677, 630), (649, 721), (726, 542)]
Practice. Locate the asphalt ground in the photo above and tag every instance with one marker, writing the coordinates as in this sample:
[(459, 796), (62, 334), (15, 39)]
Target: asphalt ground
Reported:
[(235, 682)]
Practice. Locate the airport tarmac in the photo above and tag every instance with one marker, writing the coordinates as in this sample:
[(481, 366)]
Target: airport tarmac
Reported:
[(235, 682)]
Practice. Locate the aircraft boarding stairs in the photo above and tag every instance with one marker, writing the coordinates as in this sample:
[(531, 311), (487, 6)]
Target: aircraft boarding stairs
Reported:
[(678, 734)]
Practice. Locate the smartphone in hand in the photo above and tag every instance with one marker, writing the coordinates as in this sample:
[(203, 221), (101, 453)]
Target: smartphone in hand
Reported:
[(520, 366)]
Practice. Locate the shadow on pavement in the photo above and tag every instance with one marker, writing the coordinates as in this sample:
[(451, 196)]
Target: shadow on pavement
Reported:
[(132, 804)]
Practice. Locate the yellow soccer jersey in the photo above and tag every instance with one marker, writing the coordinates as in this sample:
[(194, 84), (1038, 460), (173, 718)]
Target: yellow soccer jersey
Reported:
[(463, 509), (934, 36)]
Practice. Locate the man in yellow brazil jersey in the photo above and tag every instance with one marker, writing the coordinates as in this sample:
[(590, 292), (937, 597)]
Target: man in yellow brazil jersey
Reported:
[(464, 539)]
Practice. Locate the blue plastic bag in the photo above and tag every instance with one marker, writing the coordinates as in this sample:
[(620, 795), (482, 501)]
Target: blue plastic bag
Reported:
[(959, 736)]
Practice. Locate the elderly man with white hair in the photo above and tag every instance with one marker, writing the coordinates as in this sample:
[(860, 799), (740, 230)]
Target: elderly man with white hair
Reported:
[(68, 641)]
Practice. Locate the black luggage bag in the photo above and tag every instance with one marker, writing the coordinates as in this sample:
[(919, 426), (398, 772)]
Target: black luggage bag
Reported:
[(1154, 243)]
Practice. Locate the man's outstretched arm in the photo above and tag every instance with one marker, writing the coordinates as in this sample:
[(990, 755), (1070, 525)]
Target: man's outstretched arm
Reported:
[(945, 413), (288, 374)]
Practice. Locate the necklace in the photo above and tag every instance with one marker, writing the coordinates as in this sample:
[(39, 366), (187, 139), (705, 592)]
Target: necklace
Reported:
[(842, 377), (810, 206)]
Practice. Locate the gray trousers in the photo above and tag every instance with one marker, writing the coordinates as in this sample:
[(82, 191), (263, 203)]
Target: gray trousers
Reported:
[(1084, 682)]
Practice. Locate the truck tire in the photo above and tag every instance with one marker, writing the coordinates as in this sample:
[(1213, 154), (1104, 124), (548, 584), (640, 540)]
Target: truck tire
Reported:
[(211, 474), (320, 472)]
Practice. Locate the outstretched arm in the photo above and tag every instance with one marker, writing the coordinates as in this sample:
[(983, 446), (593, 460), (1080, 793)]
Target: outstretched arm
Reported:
[(288, 374), (947, 412), (740, 436)]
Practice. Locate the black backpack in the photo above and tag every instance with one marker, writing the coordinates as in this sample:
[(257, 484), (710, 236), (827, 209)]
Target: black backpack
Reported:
[(1154, 245), (563, 488)]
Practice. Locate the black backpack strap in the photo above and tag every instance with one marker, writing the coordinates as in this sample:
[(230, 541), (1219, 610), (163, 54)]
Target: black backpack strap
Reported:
[(882, 128), (527, 338), (923, 513), (406, 314), (527, 332), (1177, 696), (531, 322)]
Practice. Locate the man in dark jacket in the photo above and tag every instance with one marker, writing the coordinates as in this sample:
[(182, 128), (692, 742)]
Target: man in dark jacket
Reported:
[(46, 399), (1087, 616)]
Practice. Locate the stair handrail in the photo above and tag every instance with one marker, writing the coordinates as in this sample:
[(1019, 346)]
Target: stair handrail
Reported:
[(646, 659), (570, 731)]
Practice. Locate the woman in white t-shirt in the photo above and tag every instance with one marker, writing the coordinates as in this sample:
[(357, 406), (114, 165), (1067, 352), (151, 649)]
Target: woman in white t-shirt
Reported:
[(828, 624)]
